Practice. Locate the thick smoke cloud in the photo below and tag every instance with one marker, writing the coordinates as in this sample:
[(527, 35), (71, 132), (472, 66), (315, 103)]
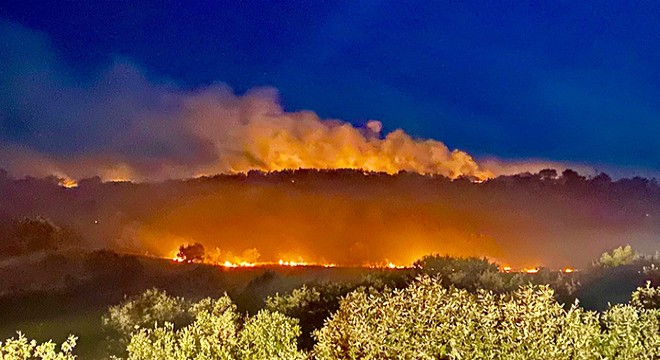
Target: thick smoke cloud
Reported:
[(121, 125)]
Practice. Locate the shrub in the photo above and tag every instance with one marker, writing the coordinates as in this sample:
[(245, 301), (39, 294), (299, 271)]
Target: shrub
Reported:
[(311, 305), (145, 311), (646, 297), (216, 334), (269, 335), (427, 321), (22, 349), (211, 336), (467, 273), (631, 333), (623, 255)]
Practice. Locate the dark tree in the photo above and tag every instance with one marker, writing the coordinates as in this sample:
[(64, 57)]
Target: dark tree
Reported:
[(571, 176), (31, 235), (548, 174), (601, 179), (191, 253)]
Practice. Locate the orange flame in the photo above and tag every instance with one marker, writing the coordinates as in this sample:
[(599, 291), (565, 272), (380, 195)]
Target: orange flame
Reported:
[(68, 183), (289, 263)]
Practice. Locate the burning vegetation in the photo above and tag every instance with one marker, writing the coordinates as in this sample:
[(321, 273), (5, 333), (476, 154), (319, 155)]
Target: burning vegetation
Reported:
[(348, 217)]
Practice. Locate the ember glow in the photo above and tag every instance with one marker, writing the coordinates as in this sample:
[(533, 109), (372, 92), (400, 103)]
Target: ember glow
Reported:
[(289, 263), (68, 183)]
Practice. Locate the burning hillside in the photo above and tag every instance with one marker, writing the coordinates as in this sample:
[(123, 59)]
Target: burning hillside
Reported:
[(347, 217)]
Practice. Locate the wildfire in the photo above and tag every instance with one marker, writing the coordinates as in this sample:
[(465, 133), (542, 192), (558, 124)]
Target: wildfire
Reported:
[(385, 265), (289, 263), (240, 264), (292, 263), (281, 262), (249, 262), (68, 183)]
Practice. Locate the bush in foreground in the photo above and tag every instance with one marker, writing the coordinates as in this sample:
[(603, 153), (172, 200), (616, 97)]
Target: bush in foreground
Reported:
[(23, 349), (217, 333), (144, 311), (427, 321)]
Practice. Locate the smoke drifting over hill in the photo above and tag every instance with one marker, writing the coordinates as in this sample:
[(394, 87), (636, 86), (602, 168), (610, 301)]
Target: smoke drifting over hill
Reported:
[(124, 126)]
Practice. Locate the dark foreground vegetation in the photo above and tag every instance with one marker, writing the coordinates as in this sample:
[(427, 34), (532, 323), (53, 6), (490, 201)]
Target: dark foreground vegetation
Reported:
[(442, 308)]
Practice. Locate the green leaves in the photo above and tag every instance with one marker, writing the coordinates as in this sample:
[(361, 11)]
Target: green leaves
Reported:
[(427, 321), (144, 311), (269, 335), (217, 333), (623, 255), (22, 349), (422, 321), (646, 297)]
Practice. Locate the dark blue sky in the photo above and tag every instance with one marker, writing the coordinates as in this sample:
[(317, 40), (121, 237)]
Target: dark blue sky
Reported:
[(575, 81)]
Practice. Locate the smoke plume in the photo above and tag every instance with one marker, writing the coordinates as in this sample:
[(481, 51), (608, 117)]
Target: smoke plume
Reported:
[(122, 126)]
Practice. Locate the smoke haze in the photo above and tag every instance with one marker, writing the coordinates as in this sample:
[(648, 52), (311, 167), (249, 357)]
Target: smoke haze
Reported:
[(123, 126), (348, 217)]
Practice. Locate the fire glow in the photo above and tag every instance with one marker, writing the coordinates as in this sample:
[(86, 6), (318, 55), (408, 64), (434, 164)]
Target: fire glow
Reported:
[(284, 263), (301, 263), (68, 183)]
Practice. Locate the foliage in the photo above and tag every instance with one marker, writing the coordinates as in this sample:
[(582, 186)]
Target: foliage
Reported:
[(623, 255), (23, 349), (631, 333), (191, 253), (311, 305), (145, 311), (33, 234), (428, 321), (647, 297), (215, 334), (386, 278), (109, 267), (269, 335), (314, 303), (211, 336), (467, 273)]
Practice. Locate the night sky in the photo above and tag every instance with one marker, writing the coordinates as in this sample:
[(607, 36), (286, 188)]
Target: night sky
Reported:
[(566, 81)]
